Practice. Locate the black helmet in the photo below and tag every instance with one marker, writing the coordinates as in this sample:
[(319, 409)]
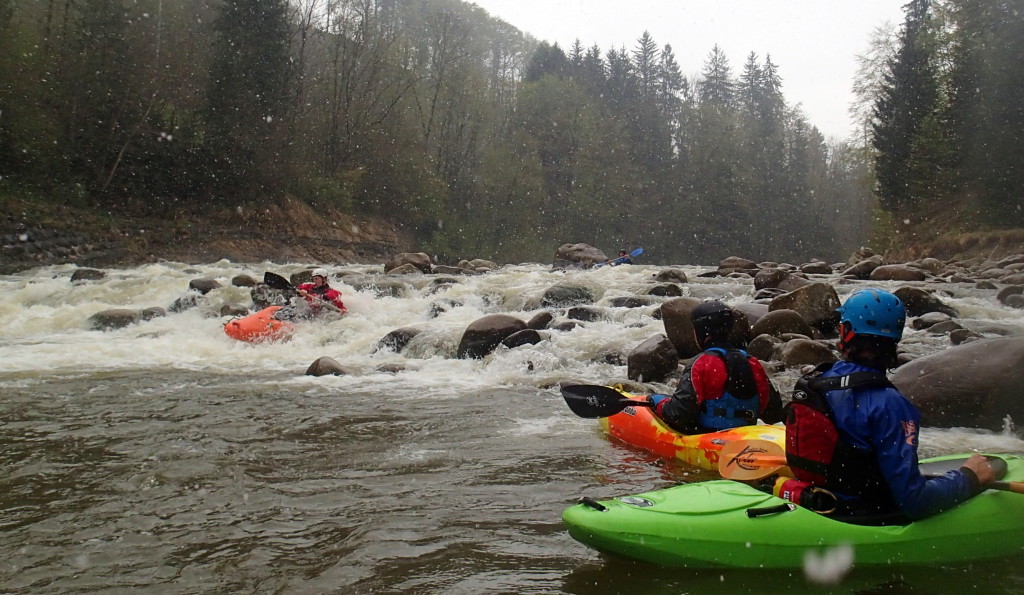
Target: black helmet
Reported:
[(711, 319)]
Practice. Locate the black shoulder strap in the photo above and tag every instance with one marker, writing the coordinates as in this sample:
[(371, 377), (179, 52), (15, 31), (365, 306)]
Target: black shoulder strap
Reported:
[(855, 380)]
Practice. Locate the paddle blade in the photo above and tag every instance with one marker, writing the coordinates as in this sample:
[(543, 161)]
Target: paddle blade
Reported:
[(636, 252), (745, 460), (275, 281), (592, 400)]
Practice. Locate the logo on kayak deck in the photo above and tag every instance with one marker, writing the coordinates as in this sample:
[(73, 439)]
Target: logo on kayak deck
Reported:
[(636, 501), (629, 411)]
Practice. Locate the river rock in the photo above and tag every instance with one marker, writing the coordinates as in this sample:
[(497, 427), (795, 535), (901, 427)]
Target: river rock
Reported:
[(233, 309), (862, 269), (653, 360), (763, 347), (802, 352), (630, 301), (919, 302), (779, 322), (420, 260), (397, 339), (113, 318), (1007, 291), (976, 384), (326, 366), (204, 285), (244, 281), (526, 336), (816, 267), (928, 320), (816, 303), (540, 320), (577, 256), (87, 275), (897, 272), (584, 313), (563, 296), (752, 310), (776, 278), (666, 290), (483, 335), (670, 276)]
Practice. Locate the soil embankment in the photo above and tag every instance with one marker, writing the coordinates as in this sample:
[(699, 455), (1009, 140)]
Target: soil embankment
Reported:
[(289, 231)]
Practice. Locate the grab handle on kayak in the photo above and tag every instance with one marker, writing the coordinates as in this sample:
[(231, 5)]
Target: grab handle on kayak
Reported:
[(767, 510), (593, 504)]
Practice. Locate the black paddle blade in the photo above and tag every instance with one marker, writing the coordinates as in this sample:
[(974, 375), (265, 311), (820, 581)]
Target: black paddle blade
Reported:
[(592, 400), (275, 281)]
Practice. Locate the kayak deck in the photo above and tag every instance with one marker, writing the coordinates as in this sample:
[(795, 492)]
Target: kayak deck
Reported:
[(706, 525), (640, 427)]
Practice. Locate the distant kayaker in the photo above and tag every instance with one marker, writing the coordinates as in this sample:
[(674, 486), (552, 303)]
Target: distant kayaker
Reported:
[(853, 437), (725, 387), (318, 293), (623, 258)]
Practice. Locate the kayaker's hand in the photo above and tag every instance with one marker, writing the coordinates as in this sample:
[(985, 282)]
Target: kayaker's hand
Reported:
[(982, 470)]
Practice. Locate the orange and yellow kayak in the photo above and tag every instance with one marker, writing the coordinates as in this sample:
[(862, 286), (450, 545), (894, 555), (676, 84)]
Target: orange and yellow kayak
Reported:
[(638, 426), (260, 327)]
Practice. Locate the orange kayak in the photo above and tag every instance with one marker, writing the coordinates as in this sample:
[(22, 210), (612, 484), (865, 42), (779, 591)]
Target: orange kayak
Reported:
[(638, 426), (260, 327)]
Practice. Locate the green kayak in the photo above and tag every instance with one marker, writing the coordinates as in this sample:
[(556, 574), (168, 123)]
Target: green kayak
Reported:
[(707, 524)]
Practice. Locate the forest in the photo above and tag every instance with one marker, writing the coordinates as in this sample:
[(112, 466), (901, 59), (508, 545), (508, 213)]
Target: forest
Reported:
[(481, 140)]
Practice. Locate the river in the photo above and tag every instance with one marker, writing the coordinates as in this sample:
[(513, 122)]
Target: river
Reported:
[(165, 457)]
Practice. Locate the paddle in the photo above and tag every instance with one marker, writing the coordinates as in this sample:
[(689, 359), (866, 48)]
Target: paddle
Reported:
[(275, 281), (591, 400), (746, 460)]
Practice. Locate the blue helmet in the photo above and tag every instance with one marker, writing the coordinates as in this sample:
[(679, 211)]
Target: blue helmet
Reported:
[(873, 312)]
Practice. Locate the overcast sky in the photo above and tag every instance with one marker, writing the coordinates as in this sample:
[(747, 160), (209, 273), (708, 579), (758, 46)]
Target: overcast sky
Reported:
[(813, 42)]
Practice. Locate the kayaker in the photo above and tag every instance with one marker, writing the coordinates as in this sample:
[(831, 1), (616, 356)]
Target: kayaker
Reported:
[(852, 435), (623, 258), (725, 387), (318, 293)]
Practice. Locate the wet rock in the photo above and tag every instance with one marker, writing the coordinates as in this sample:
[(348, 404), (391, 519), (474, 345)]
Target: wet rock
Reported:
[(1015, 301), (666, 290), (577, 256), (114, 318), (778, 279), (816, 268), (752, 311), (863, 269), (734, 264), (675, 315), (564, 296), (897, 272), (963, 335), (800, 352), (233, 309), (397, 339), (420, 260), (87, 275), (976, 384), (763, 347), (152, 312), (919, 302), (244, 281), (653, 360), (928, 320), (326, 366), (405, 269), (1007, 291), (816, 303), (186, 302), (778, 322), (584, 313), (630, 301), (541, 320), (204, 285), (483, 335), (671, 276), (527, 336)]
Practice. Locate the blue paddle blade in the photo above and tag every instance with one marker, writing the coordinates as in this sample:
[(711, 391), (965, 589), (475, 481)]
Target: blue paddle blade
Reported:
[(636, 252)]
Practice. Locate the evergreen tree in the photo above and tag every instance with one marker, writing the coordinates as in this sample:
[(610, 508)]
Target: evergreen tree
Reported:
[(909, 95), (717, 86)]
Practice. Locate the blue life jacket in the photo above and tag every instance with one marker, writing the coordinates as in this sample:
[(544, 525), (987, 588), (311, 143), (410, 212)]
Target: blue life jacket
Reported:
[(740, 403)]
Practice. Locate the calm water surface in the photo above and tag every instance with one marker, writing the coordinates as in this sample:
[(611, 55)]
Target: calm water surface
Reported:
[(166, 458)]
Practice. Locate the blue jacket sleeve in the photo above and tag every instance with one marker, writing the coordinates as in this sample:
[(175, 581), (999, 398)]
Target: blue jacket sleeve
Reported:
[(895, 429)]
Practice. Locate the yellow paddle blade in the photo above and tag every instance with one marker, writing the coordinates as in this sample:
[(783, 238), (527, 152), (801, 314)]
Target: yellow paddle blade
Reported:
[(744, 460)]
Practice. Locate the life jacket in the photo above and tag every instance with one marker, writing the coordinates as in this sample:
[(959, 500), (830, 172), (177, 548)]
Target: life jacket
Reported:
[(740, 402), (815, 450)]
